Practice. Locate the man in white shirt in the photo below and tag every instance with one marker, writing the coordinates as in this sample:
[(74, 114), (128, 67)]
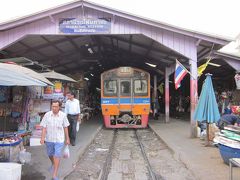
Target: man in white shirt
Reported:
[(72, 109), (55, 127)]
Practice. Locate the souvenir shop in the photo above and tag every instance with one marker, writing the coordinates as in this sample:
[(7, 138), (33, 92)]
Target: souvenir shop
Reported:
[(21, 110)]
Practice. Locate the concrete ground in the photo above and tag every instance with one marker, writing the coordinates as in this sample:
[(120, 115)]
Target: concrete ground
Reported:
[(38, 168), (205, 162)]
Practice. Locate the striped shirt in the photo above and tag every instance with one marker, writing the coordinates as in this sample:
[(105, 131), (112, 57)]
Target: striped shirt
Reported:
[(55, 125)]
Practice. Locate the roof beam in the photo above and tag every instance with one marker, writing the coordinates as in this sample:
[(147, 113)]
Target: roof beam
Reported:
[(52, 44), (149, 48), (38, 47), (202, 50), (97, 40), (130, 43), (66, 54), (112, 43), (144, 46), (200, 57), (32, 49), (127, 53), (70, 39)]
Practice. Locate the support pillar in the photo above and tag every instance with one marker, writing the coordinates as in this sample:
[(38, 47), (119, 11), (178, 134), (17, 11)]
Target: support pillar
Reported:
[(167, 98), (154, 94), (193, 93)]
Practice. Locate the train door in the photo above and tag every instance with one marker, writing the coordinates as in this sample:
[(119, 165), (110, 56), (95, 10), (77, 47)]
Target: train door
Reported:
[(125, 95)]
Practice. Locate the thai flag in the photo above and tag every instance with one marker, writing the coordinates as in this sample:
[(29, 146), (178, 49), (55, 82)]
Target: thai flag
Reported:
[(180, 72)]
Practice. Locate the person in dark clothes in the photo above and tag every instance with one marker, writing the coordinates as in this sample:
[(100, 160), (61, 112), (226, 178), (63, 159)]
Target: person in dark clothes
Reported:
[(228, 119)]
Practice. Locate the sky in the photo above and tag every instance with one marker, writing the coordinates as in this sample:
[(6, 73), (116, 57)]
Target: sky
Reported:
[(217, 17)]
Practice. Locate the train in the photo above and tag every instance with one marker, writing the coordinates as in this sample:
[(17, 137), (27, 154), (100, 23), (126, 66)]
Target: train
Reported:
[(125, 97)]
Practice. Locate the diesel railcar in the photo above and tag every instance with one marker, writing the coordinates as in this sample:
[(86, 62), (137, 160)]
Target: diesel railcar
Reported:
[(125, 97)]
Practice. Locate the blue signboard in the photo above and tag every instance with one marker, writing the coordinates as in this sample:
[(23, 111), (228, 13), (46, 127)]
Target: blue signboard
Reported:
[(85, 26)]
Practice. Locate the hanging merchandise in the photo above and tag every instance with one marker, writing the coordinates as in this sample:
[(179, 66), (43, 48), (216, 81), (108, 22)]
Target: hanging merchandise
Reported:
[(3, 94), (58, 90), (48, 92), (58, 87), (224, 97), (161, 88), (237, 80)]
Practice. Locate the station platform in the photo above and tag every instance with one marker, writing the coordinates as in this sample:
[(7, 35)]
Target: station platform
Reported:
[(205, 162), (38, 167)]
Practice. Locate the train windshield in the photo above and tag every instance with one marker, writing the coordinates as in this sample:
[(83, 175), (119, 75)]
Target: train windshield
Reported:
[(110, 87), (140, 87)]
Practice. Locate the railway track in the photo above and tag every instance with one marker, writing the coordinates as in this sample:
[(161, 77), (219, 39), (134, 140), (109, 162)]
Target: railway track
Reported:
[(152, 174), (129, 154)]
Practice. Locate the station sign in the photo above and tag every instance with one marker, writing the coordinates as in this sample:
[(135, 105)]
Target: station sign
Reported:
[(85, 26)]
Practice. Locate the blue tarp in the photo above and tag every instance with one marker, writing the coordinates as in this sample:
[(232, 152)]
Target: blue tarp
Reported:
[(207, 108)]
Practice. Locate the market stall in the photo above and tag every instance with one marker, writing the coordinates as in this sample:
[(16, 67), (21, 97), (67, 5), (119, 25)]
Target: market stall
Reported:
[(228, 141), (13, 107), (40, 101)]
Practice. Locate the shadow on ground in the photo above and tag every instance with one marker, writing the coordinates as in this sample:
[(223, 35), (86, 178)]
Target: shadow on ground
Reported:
[(33, 174)]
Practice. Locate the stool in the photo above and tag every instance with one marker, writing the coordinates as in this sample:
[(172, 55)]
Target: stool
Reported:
[(233, 161)]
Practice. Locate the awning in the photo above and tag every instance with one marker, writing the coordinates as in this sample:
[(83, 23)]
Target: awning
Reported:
[(55, 75), (15, 75)]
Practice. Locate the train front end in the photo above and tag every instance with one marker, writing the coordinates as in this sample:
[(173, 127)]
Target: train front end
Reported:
[(125, 98)]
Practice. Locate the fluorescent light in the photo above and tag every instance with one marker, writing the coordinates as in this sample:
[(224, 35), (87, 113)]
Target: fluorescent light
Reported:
[(86, 79), (91, 74), (152, 65), (90, 50), (213, 64)]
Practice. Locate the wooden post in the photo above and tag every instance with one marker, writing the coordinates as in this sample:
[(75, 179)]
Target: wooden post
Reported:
[(155, 95), (193, 93), (167, 98), (207, 137)]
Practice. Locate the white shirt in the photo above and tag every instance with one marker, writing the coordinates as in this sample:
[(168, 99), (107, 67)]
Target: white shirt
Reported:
[(55, 125), (72, 107)]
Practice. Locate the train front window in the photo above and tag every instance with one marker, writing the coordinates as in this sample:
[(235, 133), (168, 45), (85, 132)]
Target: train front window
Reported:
[(110, 87), (140, 87), (125, 88)]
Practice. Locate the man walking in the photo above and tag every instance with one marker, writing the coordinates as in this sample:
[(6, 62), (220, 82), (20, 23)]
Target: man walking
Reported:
[(72, 109), (55, 127)]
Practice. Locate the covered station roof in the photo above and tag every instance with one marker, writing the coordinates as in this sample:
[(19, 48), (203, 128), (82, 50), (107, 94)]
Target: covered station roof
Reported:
[(96, 53)]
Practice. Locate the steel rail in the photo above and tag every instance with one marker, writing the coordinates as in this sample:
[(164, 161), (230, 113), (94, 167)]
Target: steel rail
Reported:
[(149, 167), (107, 164)]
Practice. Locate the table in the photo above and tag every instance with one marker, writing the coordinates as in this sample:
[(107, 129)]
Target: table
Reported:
[(233, 161)]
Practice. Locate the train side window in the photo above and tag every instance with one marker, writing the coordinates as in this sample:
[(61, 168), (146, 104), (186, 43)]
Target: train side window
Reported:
[(140, 87), (110, 87)]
